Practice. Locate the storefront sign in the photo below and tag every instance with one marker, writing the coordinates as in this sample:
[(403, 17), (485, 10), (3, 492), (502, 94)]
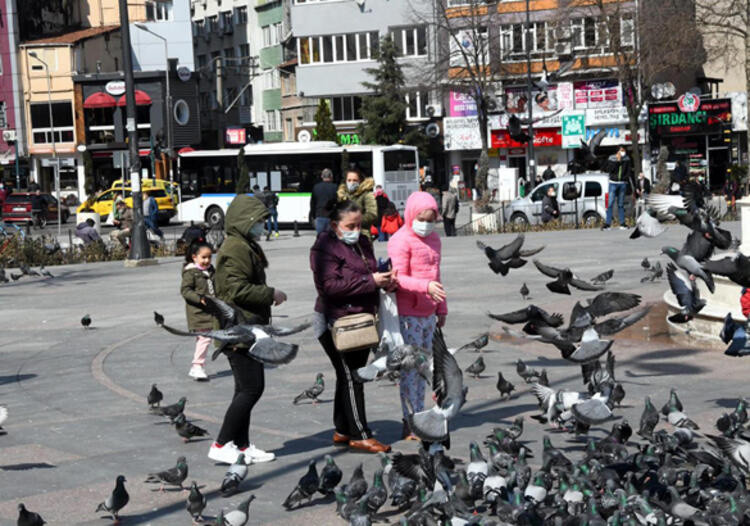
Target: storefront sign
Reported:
[(462, 105), (573, 129), (347, 139), (462, 133), (545, 102), (565, 96), (544, 137), (597, 94), (235, 136), (600, 116), (115, 87), (711, 116)]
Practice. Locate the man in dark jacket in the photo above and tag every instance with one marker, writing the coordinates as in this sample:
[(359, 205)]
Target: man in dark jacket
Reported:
[(323, 193), (549, 173), (271, 200), (620, 170), (38, 208), (550, 208), (86, 232)]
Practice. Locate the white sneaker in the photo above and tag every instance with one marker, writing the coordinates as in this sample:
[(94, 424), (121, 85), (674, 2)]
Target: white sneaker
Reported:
[(253, 455), (623, 228), (226, 454), (198, 373)]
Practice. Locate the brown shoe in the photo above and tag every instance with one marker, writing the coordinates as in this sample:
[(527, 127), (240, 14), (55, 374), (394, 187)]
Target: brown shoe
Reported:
[(369, 445), (339, 438)]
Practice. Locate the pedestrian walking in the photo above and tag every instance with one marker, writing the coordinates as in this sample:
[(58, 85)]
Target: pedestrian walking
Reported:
[(620, 174), (415, 254), (450, 211), (38, 208), (550, 207), (151, 213), (391, 222), (271, 200), (322, 199), (197, 283), (344, 271), (123, 225), (240, 279), (86, 232), (641, 191), (549, 173), (358, 188)]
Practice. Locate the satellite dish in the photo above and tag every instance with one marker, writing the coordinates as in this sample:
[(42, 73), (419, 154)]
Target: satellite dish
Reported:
[(657, 91), (432, 130), (669, 89)]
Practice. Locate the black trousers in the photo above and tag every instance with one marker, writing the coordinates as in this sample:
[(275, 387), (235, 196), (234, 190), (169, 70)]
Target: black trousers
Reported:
[(450, 226), (249, 382), (349, 416)]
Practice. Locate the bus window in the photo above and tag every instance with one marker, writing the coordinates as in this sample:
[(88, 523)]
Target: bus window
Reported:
[(397, 160)]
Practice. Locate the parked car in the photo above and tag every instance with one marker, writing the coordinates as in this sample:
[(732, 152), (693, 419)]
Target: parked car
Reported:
[(17, 209), (590, 188), (102, 203)]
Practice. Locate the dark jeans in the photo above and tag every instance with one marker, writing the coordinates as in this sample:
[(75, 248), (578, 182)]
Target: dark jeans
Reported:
[(273, 220), (153, 225), (349, 416), (450, 226), (616, 193), (249, 381), (321, 224)]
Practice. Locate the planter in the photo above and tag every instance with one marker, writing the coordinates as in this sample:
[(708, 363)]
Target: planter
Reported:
[(83, 216)]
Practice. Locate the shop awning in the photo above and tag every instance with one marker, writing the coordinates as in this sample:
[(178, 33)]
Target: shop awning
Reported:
[(185, 149), (99, 100), (141, 99)]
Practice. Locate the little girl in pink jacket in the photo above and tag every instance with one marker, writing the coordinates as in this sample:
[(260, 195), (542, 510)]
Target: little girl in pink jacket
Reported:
[(415, 253)]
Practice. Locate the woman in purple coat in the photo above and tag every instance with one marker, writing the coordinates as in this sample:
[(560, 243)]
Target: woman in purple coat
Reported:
[(344, 270)]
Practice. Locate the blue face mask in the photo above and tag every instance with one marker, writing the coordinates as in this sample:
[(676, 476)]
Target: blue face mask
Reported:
[(256, 231), (350, 237)]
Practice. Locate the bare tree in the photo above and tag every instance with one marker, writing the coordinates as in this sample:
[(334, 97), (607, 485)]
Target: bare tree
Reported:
[(726, 35)]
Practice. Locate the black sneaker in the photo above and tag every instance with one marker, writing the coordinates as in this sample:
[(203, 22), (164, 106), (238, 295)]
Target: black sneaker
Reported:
[(605, 227), (727, 331)]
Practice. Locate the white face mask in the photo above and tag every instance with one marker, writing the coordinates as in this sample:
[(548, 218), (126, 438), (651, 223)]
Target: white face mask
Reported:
[(422, 228), (350, 237), (352, 186), (256, 230)]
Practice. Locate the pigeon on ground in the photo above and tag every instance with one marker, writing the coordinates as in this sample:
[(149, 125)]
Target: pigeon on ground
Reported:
[(645, 264), (27, 270), (240, 515), (602, 278), (3, 276), (330, 476), (509, 256), (44, 272), (196, 503), (311, 393), (305, 488), (173, 476), (15, 277), (649, 419), (687, 294), (654, 273), (563, 279), (673, 401), (357, 485), (86, 321), (736, 267), (187, 430), (171, 410), (737, 450), (154, 397), (116, 501), (679, 419), (690, 265), (648, 225), (476, 368), (528, 374), (376, 494), (29, 518), (524, 291), (475, 345), (504, 387), (234, 476)]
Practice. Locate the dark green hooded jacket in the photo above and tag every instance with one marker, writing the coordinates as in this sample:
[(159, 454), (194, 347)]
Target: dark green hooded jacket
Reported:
[(240, 264)]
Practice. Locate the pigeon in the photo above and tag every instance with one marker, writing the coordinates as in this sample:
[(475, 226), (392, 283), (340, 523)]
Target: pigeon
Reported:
[(357, 485), (504, 387), (311, 393), (476, 368), (171, 410), (524, 291), (154, 397), (687, 295), (528, 374), (240, 515), (563, 279), (585, 157), (602, 278), (584, 313), (391, 358), (376, 494), (15, 277), (655, 272), (305, 488), (29, 518), (649, 419), (735, 267), (234, 476), (674, 401), (679, 419), (508, 256), (330, 476), (645, 264), (476, 345), (196, 503), (648, 225), (27, 270), (187, 430), (86, 321), (235, 330), (219, 520), (476, 470), (737, 450), (3, 276), (116, 501), (690, 265), (44, 272), (173, 476), (594, 408), (450, 395), (531, 315)]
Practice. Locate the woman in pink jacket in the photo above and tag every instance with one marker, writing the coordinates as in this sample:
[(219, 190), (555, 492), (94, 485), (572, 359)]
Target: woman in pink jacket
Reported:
[(415, 253)]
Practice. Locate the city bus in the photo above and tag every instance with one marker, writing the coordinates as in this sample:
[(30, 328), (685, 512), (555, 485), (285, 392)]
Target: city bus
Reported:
[(208, 178)]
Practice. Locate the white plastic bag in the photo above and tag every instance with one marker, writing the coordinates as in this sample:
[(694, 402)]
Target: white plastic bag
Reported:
[(390, 330)]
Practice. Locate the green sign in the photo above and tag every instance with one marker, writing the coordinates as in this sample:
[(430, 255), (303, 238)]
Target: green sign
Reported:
[(573, 129)]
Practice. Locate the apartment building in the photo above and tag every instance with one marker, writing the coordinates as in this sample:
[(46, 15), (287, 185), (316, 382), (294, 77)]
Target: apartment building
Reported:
[(12, 123)]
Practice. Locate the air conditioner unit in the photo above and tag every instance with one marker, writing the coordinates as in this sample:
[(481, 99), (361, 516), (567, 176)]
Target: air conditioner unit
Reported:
[(9, 135), (434, 110), (563, 48)]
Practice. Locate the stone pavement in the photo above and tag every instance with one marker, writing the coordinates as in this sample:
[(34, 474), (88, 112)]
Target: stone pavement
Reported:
[(76, 397)]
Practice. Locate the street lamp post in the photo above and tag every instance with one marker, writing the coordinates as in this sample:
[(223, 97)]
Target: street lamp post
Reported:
[(168, 100), (56, 161), (530, 102)]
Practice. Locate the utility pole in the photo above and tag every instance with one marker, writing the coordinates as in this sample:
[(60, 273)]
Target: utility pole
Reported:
[(219, 102), (139, 247), (532, 160)]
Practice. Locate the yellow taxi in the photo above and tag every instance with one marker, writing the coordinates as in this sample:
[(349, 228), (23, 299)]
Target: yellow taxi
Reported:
[(169, 188), (102, 202)]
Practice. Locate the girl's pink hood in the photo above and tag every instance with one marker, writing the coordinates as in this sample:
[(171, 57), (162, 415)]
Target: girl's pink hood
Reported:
[(416, 203)]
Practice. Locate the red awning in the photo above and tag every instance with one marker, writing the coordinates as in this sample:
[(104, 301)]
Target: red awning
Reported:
[(185, 149), (99, 100), (141, 99)]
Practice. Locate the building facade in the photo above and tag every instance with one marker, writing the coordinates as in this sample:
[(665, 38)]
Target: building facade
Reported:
[(12, 122)]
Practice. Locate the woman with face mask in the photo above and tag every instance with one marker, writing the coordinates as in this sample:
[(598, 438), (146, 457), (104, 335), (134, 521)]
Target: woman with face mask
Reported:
[(344, 270), (550, 208), (415, 253), (359, 189)]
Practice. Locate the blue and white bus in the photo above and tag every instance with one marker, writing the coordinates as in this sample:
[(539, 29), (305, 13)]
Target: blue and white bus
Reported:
[(208, 177)]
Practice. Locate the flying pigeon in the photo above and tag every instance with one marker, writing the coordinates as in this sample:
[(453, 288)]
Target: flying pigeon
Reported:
[(234, 476), (116, 501), (690, 265), (648, 225), (736, 267), (509, 256), (605, 276), (173, 476), (687, 295), (563, 278)]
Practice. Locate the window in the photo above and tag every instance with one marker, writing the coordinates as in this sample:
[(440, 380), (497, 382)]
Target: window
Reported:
[(271, 79), (513, 38), (288, 130), (212, 24), (244, 53), (541, 191), (181, 112), (273, 120), (590, 32), (410, 41), (271, 34), (229, 52), (337, 48), (347, 108), (3, 118), (198, 27), (577, 33), (471, 44), (159, 10), (416, 104), (585, 32), (627, 30), (240, 15), (202, 61), (592, 189), (62, 116), (226, 21)]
